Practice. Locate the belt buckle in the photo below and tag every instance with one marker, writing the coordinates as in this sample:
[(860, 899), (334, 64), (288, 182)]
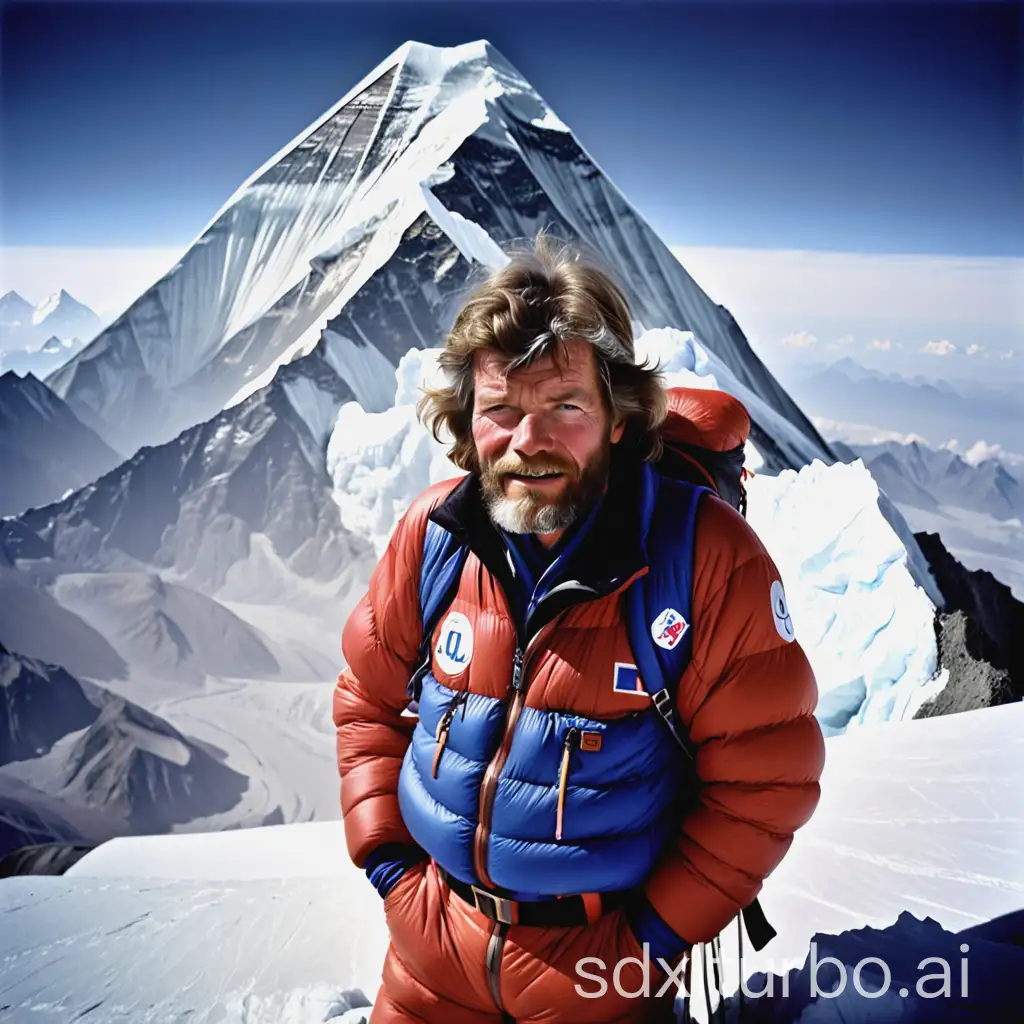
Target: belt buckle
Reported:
[(504, 910)]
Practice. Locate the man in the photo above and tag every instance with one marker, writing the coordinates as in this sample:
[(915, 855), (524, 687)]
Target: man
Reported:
[(535, 814)]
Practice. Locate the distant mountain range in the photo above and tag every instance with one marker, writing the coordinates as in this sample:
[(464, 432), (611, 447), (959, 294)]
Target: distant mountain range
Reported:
[(937, 410), (40, 339), (45, 450), (978, 509), (193, 506), (914, 474), (127, 575)]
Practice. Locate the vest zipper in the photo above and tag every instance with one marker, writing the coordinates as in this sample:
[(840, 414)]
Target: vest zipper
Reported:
[(571, 739), (489, 786), (520, 682)]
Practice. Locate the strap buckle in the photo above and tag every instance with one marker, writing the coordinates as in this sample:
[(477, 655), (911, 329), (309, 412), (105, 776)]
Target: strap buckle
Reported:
[(497, 909)]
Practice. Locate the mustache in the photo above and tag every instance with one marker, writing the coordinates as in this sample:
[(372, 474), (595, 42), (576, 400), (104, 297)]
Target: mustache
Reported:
[(514, 464)]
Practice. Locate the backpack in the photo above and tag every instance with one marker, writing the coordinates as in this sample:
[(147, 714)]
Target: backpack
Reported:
[(703, 448), (704, 438)]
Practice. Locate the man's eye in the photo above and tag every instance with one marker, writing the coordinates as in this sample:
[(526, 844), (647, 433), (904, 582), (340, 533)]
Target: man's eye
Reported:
[(569, 406)]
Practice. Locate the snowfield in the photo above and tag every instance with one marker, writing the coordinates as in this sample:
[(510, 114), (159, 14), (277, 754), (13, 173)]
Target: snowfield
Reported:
[(924, 818)]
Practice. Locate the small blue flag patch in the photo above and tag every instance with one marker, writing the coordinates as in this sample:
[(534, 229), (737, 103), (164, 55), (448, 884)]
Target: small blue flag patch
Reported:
[(627, 678)]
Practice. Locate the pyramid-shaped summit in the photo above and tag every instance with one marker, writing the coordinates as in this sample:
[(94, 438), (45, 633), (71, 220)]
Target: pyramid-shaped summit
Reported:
[(370, 224)]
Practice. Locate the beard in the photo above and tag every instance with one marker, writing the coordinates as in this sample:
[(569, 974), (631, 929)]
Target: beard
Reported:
[(535, 511)]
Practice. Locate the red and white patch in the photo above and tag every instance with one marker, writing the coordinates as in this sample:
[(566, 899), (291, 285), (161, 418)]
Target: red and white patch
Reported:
[(669, 628)]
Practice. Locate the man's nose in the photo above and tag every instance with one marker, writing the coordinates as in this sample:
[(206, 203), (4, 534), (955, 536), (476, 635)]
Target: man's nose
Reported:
[(531, 435)]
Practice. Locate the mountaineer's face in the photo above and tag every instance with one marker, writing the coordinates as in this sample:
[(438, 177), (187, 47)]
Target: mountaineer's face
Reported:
[(543, 437)]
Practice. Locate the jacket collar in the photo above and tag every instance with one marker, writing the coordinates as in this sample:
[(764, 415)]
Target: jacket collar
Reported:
[(612, 550)]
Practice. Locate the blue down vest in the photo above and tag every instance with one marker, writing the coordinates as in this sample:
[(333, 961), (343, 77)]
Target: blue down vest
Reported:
[(514, 785)]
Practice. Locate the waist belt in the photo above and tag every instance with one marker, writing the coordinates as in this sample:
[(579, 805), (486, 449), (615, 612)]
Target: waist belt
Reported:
[(561, 912)]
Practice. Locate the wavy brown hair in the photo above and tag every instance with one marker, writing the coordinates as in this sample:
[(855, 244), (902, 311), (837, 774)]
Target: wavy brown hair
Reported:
[(549, 293)]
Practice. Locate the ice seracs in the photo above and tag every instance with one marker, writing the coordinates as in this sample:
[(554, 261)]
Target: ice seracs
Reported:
[(379, 462), (865, 623)]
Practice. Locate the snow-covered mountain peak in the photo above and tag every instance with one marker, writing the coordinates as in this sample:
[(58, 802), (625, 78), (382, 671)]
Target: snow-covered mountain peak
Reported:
[(375, 216), (63, 316), (15, 311), (47, 306), (63, 301), (476, 65), (27, 389)]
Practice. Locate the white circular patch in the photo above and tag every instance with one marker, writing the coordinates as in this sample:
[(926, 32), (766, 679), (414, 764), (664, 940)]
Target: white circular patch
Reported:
[(455, 645), (669, 628), (780, 613)]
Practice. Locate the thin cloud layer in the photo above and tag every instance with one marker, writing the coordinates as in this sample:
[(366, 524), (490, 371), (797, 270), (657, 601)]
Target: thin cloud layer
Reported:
[(958, 291), (801, 339), (938, 348)]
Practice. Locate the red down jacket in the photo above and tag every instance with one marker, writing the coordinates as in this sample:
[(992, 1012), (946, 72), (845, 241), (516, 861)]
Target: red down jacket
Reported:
[(747, 700)]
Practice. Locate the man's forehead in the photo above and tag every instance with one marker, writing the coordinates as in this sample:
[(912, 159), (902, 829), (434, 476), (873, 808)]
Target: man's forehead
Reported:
[(576, 371)]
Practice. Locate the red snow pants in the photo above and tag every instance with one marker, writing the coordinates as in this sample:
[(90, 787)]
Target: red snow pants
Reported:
[(436, 970)]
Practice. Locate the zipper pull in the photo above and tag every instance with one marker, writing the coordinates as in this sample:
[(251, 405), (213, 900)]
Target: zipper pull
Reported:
[(441, 735), (442, 738), (517, 670), (563, 778)]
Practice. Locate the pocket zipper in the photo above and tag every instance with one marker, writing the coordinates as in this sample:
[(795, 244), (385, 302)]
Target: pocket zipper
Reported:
[(563, 778), (441, 733), (580, 740)]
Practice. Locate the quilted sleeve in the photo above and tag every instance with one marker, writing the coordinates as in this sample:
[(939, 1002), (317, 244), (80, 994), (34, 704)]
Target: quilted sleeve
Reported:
[(380, 643), (748, 700)]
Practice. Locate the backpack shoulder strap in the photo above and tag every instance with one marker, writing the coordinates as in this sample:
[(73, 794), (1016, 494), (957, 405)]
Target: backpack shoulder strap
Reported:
[(443, 559), (658, 606), (659, 622)]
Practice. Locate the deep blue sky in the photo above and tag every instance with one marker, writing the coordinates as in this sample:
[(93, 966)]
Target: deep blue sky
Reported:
[(857, 128)]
